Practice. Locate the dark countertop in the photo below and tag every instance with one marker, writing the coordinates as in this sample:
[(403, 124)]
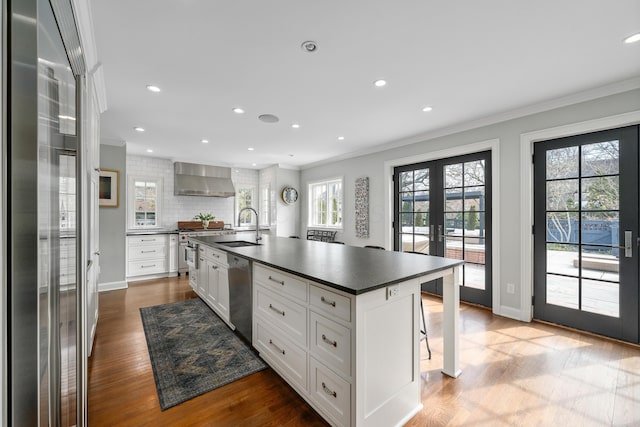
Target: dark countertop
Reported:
[(145, 232), (352, 269)]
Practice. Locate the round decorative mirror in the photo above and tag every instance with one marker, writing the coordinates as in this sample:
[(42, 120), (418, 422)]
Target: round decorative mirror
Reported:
[(289, 195)]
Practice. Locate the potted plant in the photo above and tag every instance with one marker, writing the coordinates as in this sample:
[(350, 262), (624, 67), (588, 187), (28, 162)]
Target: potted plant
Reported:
[(205, 218)]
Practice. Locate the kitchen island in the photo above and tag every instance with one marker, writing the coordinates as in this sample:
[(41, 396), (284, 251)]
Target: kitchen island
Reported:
[(341, 324)]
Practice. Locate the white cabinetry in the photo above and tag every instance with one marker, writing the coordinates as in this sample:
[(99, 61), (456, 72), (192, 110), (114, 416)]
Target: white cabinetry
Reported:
[(147, 256), (173, 254), (353, 358), (212, 283), (303, 331)]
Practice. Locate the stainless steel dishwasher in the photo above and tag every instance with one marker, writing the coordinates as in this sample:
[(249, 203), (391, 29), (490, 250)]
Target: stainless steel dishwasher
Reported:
[(240, 295)]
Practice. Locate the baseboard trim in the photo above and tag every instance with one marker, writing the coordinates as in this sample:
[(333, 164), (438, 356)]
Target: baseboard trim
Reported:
[(511, 313), (112, 286)]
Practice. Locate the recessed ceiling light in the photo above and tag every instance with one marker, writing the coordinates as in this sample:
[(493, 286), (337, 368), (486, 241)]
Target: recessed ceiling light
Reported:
[(295, 126), (253, 164), (238, 110), (380, 83), (427, 109), (204, 141), (341, 138), (139, 129), (250, 148), (309, 46), (632, 38), (149, 150), (153, 88)]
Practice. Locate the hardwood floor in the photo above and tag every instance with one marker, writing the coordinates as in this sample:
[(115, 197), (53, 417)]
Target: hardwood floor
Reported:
[(513, 374)]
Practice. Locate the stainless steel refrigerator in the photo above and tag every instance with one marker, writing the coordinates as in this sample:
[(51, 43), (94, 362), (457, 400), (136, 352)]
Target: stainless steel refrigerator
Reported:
[(41, 211)]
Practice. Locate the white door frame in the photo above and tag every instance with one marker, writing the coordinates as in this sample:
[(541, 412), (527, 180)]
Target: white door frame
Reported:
[(526, 190), (494, 146)]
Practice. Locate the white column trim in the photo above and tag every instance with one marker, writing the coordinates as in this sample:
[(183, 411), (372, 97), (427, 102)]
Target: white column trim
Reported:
[(526, 190), (494, 146)]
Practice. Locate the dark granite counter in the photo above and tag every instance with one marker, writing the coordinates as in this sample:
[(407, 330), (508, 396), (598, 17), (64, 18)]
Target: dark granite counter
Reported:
[(352, 269)]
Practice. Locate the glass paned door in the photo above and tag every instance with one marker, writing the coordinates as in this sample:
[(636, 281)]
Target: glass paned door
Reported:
[(586, 217), (443, 208)]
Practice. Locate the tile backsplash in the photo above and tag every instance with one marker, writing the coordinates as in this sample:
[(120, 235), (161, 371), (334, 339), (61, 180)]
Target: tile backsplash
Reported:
[(184, 208)]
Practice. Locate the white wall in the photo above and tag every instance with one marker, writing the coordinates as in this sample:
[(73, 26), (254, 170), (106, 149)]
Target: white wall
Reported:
[(288, 216), (184, 208), (508, 133)]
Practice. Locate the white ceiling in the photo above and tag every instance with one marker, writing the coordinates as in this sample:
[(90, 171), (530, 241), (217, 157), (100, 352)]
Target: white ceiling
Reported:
[(467, 59)]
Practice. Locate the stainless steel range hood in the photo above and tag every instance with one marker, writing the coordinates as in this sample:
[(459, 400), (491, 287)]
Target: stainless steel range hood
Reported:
[(191, 179)]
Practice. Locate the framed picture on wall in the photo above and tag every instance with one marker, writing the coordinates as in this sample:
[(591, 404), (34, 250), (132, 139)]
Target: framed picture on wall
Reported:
[(108, 188)]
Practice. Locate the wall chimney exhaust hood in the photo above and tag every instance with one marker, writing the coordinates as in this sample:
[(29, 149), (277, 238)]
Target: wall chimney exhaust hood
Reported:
[(191, 179)]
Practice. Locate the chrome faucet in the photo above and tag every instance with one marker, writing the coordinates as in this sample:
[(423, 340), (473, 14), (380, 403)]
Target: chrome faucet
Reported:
[(258, 238)]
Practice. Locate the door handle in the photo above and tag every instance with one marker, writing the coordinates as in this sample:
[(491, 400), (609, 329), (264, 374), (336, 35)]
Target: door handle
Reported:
[(440, 235), (628, 245), (628, 249), (432, 233)]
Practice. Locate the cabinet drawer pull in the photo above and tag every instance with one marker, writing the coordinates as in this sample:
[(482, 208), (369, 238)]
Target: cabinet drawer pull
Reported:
[(146, 252), (147, 240), (147, 266), (328, 341), (215, 267), (277, 281), (328, 390), (276, 310), (326, 301), (277, 348)]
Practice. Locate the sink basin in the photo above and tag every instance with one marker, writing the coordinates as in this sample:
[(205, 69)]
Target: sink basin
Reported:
[(238, 243)]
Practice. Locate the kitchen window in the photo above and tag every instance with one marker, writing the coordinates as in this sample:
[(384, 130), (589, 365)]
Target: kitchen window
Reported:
[(245, 199), (265, 205), (145, 199), (325, 203)]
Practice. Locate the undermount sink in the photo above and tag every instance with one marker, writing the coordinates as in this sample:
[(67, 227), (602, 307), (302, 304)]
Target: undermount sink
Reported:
[(238, 243)]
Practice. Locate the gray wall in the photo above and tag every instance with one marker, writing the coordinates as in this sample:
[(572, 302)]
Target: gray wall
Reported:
[(508, 132), (113, 221)]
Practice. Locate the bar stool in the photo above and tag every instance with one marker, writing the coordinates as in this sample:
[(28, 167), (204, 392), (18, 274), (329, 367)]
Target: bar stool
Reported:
[(423, 326)]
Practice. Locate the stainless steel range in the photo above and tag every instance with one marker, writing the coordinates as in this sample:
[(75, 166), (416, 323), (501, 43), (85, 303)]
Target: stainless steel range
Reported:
[(183, 237)]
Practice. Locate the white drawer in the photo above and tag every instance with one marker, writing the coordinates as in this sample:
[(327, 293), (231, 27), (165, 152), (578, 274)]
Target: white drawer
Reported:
[(330, 302), (284, 283), (331, 343), (156, 239), (138, 268), (285, 314), (330, 392), (287, 358), (147, 252), (216, 255)]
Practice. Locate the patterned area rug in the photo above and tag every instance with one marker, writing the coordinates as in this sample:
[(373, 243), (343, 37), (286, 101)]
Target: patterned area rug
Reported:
[(192, 351)]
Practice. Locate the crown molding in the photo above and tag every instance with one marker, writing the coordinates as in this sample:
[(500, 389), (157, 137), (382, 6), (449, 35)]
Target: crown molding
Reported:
[(575, 98)]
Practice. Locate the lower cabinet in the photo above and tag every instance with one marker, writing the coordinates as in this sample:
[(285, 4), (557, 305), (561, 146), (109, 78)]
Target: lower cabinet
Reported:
[(147, 256), (212, 280), (309, 346), (353, 358)]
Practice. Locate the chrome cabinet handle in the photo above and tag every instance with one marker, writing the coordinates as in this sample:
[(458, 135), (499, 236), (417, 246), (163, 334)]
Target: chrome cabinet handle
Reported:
[(147, 240), (277, 348), (97, 253), (326, 301), (276, 310), (147, 266), (146, 252), (328, 341), (215, 267), (328, 390), (277, 281)]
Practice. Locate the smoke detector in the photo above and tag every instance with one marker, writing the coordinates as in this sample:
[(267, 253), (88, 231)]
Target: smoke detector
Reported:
[(309, 46)]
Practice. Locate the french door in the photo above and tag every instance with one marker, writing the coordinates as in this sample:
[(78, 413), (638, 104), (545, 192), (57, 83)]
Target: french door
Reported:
[(586, 232), (443, 208)]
